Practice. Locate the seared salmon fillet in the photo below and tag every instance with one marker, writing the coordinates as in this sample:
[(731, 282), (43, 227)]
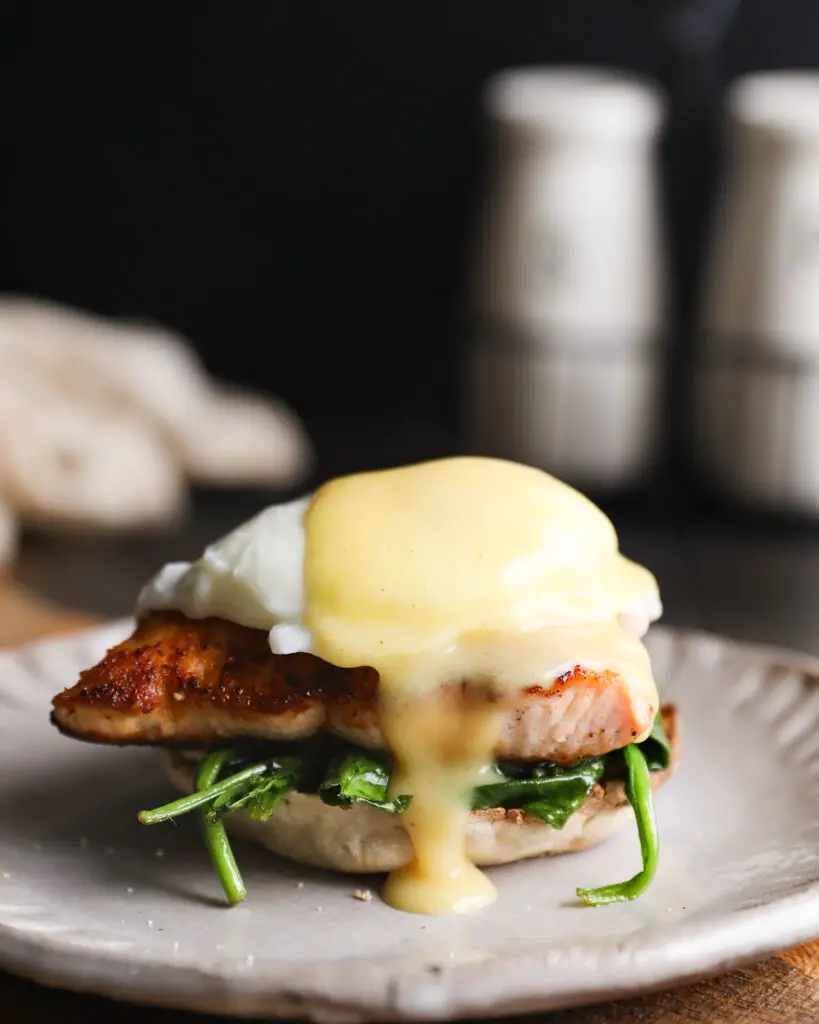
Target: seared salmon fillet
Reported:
[(200, 682)]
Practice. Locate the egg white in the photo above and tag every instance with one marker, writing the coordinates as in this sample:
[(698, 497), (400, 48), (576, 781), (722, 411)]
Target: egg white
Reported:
[(254, 576)]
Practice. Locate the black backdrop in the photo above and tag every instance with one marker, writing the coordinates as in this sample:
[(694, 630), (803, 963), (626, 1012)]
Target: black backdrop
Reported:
[(291, 183)]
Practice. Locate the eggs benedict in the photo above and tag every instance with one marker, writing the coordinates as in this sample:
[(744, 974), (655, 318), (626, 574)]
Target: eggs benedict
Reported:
[(417, 671)]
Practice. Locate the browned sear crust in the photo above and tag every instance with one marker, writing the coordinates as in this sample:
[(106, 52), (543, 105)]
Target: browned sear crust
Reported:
[(197, 681), (204, 681)]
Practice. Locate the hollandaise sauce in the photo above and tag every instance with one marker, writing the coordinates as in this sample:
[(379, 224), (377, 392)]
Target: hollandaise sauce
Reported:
[(463, 582)]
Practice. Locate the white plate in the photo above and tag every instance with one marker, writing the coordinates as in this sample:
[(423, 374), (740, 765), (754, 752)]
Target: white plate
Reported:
[(91, 900)]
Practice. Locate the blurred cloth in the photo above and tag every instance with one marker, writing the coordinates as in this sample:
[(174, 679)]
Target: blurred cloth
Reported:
[(103, 424)]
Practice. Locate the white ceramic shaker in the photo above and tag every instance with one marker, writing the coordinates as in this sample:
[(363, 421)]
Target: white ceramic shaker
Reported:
[(755, 430), (562, 367)]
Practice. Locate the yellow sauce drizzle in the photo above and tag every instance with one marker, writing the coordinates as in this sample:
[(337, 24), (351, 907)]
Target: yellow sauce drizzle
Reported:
[(454, 729), (462, 582)]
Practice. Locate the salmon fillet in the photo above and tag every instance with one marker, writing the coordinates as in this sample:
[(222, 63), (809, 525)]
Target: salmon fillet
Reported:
[(204, 681)]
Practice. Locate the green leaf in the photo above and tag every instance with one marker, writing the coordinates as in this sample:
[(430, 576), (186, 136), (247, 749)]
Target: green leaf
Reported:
[(656, 747), (548, 791), (641, 798), (205, 796), (360, 777), (261, 794)]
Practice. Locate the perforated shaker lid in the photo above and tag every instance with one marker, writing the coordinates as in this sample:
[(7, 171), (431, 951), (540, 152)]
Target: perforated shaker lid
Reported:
[(574, 100), (780, 102)]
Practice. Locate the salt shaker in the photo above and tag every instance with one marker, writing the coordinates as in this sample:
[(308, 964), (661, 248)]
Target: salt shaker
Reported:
[(567, 305), (755, 423)]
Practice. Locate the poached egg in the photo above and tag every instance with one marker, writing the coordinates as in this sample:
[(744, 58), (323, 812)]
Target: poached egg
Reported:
[(460, 569)]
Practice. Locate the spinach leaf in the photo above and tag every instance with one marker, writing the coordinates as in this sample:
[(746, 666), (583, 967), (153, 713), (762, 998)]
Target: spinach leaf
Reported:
[(548, 791), (260, 795), (360, 777), (641, 798), (256, 785), (656, 747)]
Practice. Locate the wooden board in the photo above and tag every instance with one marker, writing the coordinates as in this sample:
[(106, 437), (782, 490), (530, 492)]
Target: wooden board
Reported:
[(780, 990)]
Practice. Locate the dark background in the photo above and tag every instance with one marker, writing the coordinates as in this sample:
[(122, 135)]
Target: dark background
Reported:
[(292, 184)]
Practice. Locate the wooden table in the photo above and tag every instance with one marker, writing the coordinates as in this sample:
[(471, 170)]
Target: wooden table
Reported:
[(748, 582)]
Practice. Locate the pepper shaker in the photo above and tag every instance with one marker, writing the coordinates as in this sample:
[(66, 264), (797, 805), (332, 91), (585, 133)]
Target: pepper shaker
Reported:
[(755, 429), (566, 311)]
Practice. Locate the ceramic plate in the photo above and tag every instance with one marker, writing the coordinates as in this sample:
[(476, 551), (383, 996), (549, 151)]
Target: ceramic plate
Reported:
[(93, 901)]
